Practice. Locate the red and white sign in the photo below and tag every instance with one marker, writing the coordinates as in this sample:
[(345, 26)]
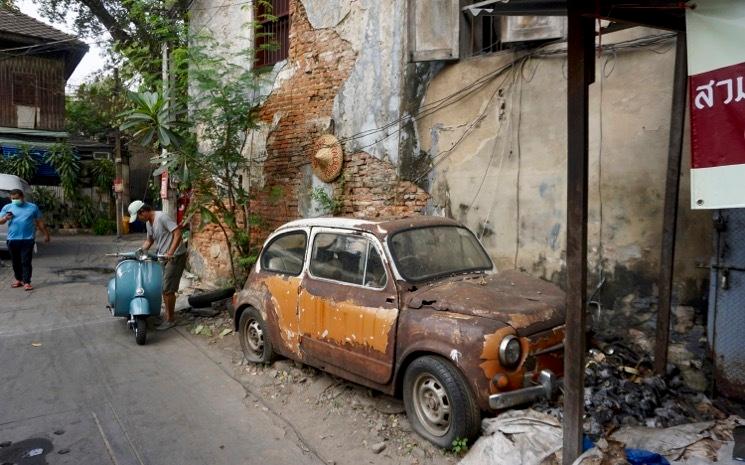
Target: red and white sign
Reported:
[(716, 69), (164, 185)]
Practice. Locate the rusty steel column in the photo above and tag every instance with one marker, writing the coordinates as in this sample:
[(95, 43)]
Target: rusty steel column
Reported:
[(581, 73), (672, 187)]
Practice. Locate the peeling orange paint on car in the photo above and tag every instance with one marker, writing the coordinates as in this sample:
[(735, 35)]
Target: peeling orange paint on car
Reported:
[(284, 295), (346, 322)]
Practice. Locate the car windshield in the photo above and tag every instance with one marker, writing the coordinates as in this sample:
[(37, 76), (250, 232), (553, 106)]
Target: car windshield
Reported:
[(426, 253)]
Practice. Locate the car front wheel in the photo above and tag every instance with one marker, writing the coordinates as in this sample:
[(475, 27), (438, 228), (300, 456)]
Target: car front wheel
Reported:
[(254, 337), (438, 402)]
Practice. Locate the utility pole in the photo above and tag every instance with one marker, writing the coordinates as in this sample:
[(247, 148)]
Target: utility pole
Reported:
[(118, 162), (167, 195)]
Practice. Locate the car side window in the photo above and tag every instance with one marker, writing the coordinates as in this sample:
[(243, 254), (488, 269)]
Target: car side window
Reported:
[(347, 258), (285, 254)]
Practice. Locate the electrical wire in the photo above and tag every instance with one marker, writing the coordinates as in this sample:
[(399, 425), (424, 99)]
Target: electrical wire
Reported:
[(542, 52), (24, 47)]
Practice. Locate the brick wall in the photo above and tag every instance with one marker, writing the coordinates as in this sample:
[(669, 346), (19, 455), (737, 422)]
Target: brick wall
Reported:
[(299, 112), (304, 104), (372, 189)]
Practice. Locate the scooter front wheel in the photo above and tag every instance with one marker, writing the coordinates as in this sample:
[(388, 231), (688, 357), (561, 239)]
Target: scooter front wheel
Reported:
[(141, 331)]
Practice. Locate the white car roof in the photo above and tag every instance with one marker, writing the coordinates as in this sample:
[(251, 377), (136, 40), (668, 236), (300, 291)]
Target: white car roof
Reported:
[(10, 182), (327, 222)]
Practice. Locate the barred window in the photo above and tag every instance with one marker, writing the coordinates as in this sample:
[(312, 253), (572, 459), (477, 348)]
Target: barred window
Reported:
[(273, 34)]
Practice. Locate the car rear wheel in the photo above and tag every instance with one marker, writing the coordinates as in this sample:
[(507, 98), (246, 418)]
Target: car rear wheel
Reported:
[(254, 337), (438, 402)]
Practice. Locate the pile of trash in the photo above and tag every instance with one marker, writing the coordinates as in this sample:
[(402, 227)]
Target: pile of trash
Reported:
[(528, 437), (621, 389)]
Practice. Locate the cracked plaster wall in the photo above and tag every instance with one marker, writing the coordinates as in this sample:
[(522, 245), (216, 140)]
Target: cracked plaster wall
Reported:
[(370, 98), (506, 178)]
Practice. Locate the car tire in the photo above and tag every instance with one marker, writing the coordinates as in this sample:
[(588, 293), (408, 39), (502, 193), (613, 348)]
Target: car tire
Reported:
[(439, 404), (255, 340), (205, 299)]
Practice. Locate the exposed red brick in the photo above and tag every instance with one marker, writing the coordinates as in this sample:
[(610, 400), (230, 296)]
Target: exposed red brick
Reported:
[(370, 188)]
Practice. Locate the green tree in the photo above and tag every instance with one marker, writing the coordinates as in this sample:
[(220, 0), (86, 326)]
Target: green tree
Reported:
[(67, 165), (138, 28), (94, 109), (22, 164), (154, 121), (223, 112)]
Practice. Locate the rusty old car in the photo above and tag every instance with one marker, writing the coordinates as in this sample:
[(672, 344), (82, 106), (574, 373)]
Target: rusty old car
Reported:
[(411, 307)]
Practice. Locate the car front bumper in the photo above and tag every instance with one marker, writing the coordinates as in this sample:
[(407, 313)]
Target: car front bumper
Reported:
[(546, 387)]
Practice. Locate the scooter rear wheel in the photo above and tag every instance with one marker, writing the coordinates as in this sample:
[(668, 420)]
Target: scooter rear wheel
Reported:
[(141, 331)]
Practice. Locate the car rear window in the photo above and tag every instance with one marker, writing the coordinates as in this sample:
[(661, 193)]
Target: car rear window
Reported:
[(285, 254)]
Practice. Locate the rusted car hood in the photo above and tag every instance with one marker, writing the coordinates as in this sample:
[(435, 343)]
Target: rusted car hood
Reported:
[(526, 303)]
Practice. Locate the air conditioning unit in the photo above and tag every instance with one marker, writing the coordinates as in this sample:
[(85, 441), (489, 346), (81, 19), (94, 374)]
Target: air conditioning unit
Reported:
[(527, 28)]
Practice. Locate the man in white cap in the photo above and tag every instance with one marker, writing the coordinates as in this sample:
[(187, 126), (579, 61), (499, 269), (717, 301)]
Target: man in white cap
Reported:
[(166, 235)]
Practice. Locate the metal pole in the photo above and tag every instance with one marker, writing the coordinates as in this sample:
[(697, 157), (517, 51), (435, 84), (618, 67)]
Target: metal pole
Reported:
[(580, 73), (118, 162), (118, 165), (166, 95), (672, 187)]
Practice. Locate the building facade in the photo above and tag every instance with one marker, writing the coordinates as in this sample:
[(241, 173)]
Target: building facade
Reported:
[(442, 109)]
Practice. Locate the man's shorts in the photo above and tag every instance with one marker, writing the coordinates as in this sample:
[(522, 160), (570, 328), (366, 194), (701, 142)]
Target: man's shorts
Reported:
[(172, 273)]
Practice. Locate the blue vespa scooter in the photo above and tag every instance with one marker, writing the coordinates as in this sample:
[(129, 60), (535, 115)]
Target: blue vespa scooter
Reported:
[(135, 291)]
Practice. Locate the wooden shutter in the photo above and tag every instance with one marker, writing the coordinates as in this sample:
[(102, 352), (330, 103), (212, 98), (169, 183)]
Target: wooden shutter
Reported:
[(434, 29)]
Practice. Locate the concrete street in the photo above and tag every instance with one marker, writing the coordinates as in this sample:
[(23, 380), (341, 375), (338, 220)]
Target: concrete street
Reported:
[(72, 375)]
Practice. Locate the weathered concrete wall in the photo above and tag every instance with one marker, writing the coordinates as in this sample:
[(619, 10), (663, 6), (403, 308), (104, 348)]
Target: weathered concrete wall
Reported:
[(494, 158), (344, 75), (500, 166)]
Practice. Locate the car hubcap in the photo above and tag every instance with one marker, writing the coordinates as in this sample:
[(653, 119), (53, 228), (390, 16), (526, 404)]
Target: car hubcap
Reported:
[(432, 404), (255, 337)]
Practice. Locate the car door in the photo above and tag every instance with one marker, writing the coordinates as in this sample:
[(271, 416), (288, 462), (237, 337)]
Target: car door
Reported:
[(280, 273), (348, 305)]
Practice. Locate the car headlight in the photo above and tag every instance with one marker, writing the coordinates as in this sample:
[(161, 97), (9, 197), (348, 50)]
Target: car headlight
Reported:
[(510, 351)]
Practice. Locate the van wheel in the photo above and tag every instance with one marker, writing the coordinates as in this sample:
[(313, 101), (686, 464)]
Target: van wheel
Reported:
[(439, 403), (254, 337)]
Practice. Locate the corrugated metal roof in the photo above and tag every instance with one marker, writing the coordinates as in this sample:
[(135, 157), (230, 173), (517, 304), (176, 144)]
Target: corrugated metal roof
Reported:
[(15, 22)]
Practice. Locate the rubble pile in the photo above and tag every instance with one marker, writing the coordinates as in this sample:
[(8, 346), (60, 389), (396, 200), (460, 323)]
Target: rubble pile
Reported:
[(621, 390)]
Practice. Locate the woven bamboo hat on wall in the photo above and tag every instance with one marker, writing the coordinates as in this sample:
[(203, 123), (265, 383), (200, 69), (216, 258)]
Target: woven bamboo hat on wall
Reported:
[(328, 158)]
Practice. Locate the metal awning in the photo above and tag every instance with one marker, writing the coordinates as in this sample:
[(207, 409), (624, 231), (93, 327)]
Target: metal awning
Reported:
[(34, 133), (661, 14)]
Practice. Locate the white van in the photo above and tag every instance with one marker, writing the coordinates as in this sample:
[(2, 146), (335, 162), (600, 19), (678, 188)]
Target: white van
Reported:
[(9, 182)]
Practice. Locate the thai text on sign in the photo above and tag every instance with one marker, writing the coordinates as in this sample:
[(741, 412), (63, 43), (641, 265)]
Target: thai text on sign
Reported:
[(716, 69)]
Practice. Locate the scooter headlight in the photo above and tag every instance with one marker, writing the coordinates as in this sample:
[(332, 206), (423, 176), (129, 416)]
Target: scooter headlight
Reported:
[(510, 351), (140, 291)]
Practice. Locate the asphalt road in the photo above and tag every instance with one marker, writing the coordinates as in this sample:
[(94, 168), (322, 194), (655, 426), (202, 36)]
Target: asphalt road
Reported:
[(76, 389)]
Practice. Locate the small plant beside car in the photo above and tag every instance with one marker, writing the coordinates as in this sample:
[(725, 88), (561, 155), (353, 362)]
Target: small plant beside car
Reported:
[(460, 446)]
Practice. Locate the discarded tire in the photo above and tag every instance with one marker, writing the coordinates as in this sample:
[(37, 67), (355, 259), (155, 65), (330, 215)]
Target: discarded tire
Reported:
[(204, 299)]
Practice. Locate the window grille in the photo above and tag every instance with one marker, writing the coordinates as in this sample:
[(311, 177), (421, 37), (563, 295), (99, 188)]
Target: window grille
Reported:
[(273, 34)]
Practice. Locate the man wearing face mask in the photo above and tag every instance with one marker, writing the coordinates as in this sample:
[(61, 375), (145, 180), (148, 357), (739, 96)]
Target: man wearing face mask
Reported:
[(23, 218)]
